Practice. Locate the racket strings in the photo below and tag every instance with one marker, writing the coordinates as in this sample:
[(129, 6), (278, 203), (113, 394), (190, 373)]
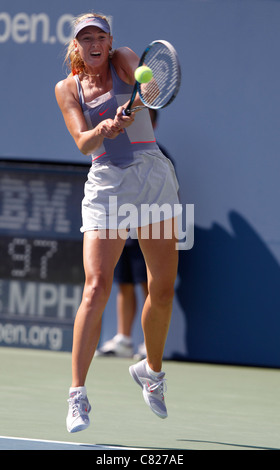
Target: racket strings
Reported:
[(164, 66)]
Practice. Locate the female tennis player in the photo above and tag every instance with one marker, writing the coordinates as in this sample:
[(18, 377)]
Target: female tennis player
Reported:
[(127, 168)]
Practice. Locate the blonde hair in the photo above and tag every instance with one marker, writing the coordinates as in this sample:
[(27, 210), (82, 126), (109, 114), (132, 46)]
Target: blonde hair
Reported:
[(73, 59)]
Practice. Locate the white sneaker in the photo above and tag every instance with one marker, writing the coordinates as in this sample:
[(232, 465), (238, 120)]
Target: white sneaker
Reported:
[(119, 346), (153, 388), (79, 408)]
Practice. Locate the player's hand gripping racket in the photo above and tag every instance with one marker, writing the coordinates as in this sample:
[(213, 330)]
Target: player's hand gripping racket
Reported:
[(162, 59)]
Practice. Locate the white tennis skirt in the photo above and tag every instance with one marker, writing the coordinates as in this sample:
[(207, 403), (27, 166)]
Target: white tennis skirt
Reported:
[(144, 192)]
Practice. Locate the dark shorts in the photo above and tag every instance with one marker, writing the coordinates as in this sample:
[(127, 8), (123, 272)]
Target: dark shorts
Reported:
[(131, 267)]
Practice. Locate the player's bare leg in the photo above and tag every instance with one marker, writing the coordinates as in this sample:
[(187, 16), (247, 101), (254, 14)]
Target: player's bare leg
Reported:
[(100, 258), (162, 263)]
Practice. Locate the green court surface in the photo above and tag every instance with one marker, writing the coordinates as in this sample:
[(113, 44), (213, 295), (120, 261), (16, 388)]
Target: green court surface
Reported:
[(211, 407)]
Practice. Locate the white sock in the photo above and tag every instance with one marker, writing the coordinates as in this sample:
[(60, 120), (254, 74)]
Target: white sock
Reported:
[(83, 390), (150, 371)]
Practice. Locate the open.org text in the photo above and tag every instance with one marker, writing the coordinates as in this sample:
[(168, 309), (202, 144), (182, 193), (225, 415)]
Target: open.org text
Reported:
[(23, 28), (33, 337)]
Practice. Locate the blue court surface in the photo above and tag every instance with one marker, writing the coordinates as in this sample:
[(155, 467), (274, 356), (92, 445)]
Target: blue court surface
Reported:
[(210, 407)]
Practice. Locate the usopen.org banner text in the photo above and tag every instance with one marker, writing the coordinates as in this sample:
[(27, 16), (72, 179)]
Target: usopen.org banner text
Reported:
[(22, 28)]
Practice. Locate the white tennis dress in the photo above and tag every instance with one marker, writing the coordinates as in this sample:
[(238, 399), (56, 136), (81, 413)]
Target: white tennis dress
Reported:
[(130, 183)]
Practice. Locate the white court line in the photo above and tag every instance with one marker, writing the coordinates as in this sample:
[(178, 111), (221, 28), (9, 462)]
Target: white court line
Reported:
[(43, 441)]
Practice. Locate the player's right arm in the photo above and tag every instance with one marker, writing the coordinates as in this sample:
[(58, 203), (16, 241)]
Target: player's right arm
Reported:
[(86, 140)]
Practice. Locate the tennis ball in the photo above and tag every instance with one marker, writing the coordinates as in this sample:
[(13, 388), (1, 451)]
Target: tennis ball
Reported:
[(143, 74)]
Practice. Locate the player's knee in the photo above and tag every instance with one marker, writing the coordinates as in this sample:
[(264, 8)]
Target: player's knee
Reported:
[(162, 294), (96, 290)]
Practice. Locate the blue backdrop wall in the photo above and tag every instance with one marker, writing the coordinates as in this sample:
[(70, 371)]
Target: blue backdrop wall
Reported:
[(222, 131)]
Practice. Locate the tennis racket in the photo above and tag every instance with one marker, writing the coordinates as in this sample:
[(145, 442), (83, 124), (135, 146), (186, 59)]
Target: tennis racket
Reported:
[(161, 90)]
